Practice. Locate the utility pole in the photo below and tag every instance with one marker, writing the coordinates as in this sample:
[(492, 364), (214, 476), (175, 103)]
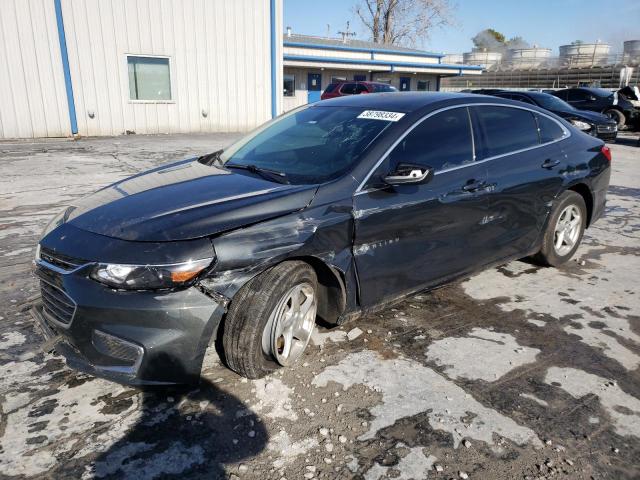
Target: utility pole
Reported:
[(347, 34)]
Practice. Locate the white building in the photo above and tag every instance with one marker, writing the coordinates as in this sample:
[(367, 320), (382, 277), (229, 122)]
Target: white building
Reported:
[(112, 67), (312, 63), (94, 67)]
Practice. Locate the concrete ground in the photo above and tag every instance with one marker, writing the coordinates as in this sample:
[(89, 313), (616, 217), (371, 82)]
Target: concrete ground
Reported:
[(517, 372)]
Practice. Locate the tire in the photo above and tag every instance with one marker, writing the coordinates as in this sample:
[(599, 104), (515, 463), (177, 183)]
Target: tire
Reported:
[(550, 254), (616, 115), (253, 315)]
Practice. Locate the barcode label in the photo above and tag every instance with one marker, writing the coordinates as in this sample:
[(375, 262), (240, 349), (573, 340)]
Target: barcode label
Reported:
[(381, 115)]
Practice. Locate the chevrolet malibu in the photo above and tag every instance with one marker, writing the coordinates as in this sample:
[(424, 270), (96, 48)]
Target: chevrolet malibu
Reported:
[(330, 211)]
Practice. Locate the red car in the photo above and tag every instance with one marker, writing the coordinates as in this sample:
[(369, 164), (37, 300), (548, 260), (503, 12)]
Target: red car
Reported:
[(345, 87)]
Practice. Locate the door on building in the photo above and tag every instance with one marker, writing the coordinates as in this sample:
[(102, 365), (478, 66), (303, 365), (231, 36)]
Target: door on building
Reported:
[(405, 84), (360, 78), (314, 87)]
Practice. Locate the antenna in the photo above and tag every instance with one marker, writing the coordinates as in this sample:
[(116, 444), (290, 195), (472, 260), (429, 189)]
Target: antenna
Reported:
[(328, 30), (347, 34)]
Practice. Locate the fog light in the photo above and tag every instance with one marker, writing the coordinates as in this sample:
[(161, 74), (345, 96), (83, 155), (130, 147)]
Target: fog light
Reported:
[(126, 352)]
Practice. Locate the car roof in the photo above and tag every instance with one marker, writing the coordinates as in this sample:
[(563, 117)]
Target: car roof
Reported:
[(337, 82), (400, 101)]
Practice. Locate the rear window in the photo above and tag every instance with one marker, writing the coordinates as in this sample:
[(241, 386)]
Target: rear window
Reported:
[(549, 130), (505, 130), (377, 88)]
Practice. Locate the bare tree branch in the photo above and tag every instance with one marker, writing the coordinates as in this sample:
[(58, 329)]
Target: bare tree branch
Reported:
[(403, 22)]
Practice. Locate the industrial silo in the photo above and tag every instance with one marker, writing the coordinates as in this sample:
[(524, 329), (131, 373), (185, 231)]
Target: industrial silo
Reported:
[(482, 56), (631, 52), (580, 54), (533, 57)]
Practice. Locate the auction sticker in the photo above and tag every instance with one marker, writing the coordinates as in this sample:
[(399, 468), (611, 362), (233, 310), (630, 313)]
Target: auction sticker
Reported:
[(381, 115)]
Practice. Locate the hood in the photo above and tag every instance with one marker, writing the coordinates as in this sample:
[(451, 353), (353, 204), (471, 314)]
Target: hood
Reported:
[(185, 200), (593, 117)]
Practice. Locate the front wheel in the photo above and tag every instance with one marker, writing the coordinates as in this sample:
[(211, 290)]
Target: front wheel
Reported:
[(564, 230), (616, 115), (271, 319)]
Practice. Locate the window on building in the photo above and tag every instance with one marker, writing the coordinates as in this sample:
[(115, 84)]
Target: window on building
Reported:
[(359, 78), (423, 85), (338, 79), (149, 78), (289, 85)]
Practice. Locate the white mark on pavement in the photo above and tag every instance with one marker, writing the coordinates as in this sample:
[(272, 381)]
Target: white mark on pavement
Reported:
[(481, 355), (409, 388)]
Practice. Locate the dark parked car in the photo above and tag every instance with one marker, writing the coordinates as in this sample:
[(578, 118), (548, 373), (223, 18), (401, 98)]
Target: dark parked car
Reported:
[(334, 209), (340, 89), (613, 105), (596, 124)]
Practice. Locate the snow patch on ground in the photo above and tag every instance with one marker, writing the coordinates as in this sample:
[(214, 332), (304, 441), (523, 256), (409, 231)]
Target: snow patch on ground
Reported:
[(11, 339), (287, 450), (557, 293), (623, 408), (481, 355), (274, 398), (319, 339), (409, 388), (415, 465)]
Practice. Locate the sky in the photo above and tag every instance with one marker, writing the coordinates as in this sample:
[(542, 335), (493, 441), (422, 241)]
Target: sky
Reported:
[(546, 23)]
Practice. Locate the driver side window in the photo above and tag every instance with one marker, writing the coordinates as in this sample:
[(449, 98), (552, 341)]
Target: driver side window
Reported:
[(441, 142)]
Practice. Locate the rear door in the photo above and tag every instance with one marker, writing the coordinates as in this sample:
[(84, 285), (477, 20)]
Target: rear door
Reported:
[(523, 165), (411, 236)]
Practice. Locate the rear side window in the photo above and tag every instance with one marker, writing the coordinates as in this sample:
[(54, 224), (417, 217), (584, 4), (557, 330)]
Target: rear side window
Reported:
[(442, 141), (348, 89), (331, 87), (505, 130), (549, 130), (360, 88)]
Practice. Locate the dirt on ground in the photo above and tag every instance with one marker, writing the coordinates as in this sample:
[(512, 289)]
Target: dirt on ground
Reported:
[(517, 372)]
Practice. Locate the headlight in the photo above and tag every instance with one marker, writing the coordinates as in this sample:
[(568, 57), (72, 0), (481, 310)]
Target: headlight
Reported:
[(149, 277), (581, 125)]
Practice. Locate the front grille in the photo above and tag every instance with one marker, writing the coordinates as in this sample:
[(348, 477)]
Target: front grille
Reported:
[(607, 128), (61, 261), (57, 305)]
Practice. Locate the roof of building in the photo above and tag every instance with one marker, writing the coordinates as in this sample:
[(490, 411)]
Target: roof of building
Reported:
[(350, 44), (404, 101)]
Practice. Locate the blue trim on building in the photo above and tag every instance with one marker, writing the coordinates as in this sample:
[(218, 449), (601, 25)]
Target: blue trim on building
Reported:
[(392, 65), (65, 68), (274, 62), (321, 46)]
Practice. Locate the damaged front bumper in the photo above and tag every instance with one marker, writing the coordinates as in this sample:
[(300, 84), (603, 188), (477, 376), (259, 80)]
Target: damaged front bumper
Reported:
[(136, 338)]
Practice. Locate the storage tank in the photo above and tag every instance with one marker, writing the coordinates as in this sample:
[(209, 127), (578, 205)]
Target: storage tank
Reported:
[(482, 56), (529, 57), (584, 54), (453, 59), (632, 52)]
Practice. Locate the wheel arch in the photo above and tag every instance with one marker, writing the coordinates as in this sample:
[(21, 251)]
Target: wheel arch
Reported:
[(585, 192)]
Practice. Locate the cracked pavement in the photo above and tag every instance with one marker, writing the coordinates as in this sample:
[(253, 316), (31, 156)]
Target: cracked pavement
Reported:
[(516, 372)]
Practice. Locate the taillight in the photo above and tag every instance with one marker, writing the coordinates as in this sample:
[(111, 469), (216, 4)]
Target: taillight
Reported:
[(606, 151)]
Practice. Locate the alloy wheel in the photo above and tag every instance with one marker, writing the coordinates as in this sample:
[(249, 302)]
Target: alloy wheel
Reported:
[(567, 230)]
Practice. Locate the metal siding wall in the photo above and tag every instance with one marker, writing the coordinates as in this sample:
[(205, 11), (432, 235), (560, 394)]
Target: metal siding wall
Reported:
[(219, 53), (32, 92)]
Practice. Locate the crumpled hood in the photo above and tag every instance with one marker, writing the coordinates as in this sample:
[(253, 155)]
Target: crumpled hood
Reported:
[(185, 200)]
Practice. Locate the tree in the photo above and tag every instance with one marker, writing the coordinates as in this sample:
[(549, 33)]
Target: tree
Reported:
[(490, 39), (403, 22)]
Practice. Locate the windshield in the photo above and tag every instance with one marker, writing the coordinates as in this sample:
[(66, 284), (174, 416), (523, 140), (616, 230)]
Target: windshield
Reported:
[(551, 103), (310, 145)]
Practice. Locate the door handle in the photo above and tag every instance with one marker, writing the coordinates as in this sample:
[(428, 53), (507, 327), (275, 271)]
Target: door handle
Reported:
[(474, 186), (549, 163)]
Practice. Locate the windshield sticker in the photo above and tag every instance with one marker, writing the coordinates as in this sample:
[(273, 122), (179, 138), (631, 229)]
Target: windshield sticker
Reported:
[(381, 115)]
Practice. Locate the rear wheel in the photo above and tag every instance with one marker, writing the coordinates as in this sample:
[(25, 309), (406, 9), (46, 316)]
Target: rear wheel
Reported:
[(271, 319), (564, 230), (616, 115)]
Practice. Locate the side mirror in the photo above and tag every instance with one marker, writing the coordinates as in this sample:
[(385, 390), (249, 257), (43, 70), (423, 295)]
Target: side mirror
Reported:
[(406, 173)]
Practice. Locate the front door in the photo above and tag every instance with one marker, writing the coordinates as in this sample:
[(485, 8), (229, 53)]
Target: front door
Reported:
[(314, 87), (411, 236), (405, 84), (523, 160)]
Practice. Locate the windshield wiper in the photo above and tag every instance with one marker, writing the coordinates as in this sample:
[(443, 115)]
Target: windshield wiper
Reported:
[(211, 158), (279, 177)]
